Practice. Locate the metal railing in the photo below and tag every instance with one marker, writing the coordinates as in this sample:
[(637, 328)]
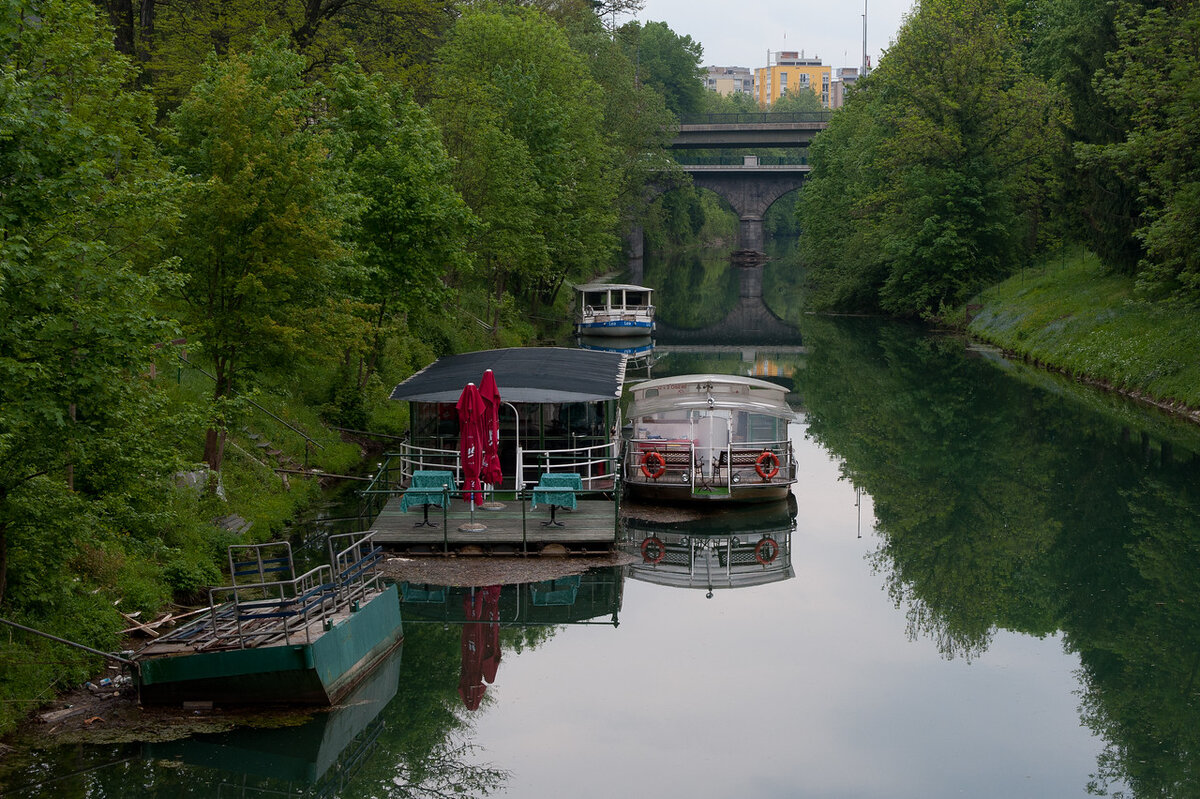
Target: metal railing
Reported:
[(258, 607), (755, 118), (594, 464), (678, 461)]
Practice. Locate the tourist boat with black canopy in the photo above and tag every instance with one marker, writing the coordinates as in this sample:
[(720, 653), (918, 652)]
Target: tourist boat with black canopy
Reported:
[(709, 438), (613, 309), (556, 453)]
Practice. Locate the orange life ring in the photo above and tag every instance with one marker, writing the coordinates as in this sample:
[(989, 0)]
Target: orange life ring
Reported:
[(765, 457), (652, 543), (657, 471), (772, 554)]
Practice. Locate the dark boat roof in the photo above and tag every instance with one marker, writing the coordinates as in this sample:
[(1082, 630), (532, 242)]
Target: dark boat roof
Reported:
[(523, 374)]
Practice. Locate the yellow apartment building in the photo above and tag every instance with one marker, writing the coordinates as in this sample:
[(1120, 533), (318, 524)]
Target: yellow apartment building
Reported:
[(788, 70)]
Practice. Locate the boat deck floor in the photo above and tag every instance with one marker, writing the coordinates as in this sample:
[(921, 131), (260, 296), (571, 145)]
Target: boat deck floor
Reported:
[(515, 528), (201, 636)]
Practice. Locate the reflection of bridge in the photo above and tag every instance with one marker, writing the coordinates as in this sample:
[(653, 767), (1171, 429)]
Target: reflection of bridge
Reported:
[(749, 322), (750, 185)]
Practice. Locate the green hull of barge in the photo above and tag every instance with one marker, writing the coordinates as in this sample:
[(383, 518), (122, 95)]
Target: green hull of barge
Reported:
[(316, 673)]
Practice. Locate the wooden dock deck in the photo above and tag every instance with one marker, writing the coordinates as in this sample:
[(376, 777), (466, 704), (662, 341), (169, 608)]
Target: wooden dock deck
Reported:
[(515, 528)]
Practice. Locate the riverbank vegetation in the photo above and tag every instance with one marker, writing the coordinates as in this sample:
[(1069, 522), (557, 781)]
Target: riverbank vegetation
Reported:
[(229, 228), (1073, 314)]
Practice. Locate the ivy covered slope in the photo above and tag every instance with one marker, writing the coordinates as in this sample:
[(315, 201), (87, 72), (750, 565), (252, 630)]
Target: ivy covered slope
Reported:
[(1072, 314)]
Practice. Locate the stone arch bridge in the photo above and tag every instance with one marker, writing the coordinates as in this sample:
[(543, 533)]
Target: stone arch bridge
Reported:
[(751, 184)]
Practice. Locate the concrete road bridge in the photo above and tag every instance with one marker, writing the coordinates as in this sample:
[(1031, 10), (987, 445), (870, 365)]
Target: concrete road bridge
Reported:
[(761, 129)]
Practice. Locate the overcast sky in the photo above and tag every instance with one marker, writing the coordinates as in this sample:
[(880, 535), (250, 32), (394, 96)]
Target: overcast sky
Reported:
[(740, 32)]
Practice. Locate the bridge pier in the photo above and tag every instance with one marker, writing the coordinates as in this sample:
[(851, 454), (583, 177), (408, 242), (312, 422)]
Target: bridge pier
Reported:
[(750, 233)]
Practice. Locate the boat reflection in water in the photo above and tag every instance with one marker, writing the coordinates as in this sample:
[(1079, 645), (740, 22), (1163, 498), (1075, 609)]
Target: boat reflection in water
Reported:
[(729, 547), (638, 352), (591, 598), (315, 758)]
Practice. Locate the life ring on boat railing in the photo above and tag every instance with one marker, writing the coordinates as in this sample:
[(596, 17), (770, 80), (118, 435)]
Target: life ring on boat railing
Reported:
[(772, 548), (653, 550), (767, 464), (659, 467)]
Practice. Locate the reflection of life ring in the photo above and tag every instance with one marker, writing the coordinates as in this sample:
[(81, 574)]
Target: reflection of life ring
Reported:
[(768, 544), (653, 550), (767, 465), (660, 465)]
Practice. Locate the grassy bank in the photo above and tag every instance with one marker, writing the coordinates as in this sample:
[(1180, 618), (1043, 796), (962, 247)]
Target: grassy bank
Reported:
[(1070, 314)]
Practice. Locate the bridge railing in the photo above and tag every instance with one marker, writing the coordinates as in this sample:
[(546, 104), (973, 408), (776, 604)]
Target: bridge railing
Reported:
[(755, 118), (740, 160)]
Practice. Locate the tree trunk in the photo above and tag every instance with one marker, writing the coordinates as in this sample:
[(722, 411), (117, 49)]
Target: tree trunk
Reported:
[(120, 13), (3, 559), (214, 448), (214, 438)]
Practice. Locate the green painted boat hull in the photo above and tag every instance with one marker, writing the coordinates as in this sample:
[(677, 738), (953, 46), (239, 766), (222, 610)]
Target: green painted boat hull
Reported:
[(318, 673)]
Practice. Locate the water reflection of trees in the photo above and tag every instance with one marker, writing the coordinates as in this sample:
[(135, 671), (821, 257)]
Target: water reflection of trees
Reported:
[(692, 289), (1004, 505)]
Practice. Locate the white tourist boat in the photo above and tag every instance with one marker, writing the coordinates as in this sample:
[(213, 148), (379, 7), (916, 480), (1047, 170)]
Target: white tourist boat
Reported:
[(613, 309), (709, 437)]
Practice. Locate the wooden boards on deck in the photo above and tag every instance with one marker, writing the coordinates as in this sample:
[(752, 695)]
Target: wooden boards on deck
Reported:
[(590, 527)]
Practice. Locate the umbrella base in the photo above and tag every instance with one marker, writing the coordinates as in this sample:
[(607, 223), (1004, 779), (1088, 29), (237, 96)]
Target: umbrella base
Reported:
[(472, 527), (492, 506)]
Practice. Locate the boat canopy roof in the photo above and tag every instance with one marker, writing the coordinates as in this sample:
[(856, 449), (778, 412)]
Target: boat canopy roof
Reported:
[(523, 374), (611, 286), (729, 392)]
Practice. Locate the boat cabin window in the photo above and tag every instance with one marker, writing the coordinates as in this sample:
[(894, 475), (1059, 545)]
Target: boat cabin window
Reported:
[(635, 299), (758, 427), (596, 299)]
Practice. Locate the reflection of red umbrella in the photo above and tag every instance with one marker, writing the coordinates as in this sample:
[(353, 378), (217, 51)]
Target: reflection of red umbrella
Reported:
[(470, 442), (480, 644), (490, 392)]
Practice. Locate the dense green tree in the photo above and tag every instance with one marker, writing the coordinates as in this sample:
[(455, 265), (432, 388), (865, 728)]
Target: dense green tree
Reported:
[(396, 37), (948, 179), (259, 245), (1152, 78), (1068, 45), (798, 99), (637, 124), (412, 226), (84, 202), (735, 103), (666, 61), (517, 108)]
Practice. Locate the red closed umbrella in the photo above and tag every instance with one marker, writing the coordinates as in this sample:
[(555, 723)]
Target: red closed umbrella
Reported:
[(492, 472), (470, 442)]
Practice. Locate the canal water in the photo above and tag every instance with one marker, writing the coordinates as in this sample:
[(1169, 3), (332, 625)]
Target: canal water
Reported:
[(988, 586)]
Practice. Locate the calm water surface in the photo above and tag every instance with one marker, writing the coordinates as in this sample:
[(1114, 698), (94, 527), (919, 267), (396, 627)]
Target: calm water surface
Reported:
[(989, 589)]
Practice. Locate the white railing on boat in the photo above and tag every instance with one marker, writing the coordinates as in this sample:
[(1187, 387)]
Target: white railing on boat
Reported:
[(679, 461), (595, 464)]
